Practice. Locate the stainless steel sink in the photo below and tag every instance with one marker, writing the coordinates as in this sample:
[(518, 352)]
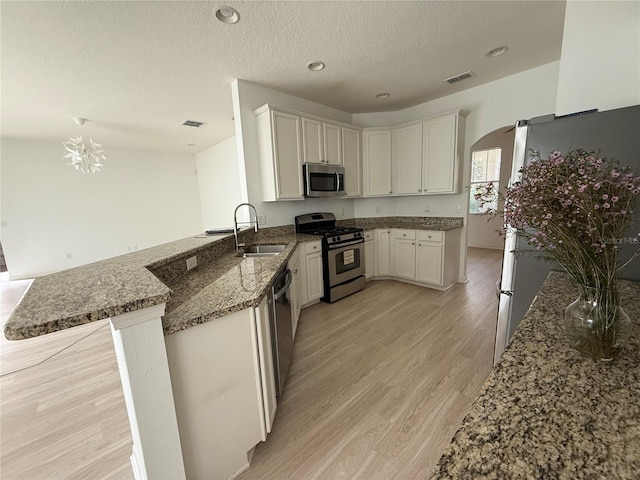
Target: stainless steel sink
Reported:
[(262, 250)]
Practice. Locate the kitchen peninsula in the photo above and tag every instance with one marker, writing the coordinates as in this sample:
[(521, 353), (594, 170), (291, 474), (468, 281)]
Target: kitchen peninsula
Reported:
[(158, 310), (548, 412)]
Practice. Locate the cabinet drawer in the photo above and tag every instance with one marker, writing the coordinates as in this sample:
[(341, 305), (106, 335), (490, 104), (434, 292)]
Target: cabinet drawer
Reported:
[(404, 234), (431, 236), (368, 235), (311, 247)]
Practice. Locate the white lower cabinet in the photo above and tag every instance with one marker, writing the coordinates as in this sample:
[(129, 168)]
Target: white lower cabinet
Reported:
[(311, 279), (382, 251), (369, 254), (294, 292), (223, 389), (427, 257), (403, 254)]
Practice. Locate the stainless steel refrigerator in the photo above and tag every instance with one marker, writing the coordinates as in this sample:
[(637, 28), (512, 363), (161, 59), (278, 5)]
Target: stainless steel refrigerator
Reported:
[(617, 134)]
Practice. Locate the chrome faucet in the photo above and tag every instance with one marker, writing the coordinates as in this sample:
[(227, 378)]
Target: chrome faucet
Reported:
[(250, 222)]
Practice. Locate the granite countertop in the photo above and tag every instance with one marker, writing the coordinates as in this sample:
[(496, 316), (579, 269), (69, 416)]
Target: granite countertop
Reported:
[(546, 411), (221, 283), (409, 223)]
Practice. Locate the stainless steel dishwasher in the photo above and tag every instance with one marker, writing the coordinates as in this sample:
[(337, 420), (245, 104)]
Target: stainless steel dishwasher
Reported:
[(281, 329)]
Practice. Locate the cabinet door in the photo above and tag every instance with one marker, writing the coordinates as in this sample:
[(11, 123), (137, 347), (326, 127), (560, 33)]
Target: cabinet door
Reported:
[(439, 163), (265, 350), (332, 144), (312, 144), (382, 251), (369, 259), (315, 287), (295, 291), (403, 258), (377, 162), (287, 157), (352, 159), (407, 160), (429, 262)]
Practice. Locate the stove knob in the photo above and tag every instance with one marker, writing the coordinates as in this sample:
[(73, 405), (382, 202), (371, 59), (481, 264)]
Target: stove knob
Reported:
[(337, 239)]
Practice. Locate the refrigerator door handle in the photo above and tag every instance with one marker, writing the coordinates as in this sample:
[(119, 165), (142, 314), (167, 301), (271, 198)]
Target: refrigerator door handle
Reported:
[(507, 292)]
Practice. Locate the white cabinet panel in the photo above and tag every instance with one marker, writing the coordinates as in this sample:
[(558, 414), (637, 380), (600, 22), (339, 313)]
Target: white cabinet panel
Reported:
[(296, 304), (429, 262), (312, 143), (280, 153), (383, 252), (332, 143), (265, 354), (311, 275), (352, 159), (369, 256), (377, 162), (403, 256), (440, 168), (407, 160)]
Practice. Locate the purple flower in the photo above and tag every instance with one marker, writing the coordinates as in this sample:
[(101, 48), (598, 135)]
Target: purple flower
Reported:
[(614, 199), (606, 205), (597, 185), (605, 196), (615, 174)]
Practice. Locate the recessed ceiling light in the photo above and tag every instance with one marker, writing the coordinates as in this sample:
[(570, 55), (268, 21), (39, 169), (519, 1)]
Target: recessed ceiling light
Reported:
[(496, 52), (227, 14), (316, 66), (382, 96)]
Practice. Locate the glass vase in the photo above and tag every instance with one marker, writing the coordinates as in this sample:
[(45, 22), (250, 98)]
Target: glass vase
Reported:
[(596, 324)]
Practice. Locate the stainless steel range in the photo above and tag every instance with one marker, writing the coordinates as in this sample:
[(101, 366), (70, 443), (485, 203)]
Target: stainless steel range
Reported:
[(342, 254)]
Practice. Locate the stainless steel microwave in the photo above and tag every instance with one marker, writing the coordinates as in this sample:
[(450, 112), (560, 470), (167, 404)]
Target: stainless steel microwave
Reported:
[(323, 180)]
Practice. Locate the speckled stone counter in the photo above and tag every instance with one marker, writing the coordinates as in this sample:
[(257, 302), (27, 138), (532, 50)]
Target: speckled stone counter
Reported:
[(149, 277), (222, 283), (545, 411), (410, 223)]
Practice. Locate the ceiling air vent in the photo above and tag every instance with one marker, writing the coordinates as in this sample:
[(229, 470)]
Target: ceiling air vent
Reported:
[(193, 123), (460, 76)]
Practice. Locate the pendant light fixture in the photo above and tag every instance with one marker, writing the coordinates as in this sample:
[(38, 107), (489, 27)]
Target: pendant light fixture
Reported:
[(84, 157)]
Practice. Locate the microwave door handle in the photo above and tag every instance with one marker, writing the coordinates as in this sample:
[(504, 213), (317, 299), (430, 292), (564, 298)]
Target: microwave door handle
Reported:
[(337, 182), (308, 183)]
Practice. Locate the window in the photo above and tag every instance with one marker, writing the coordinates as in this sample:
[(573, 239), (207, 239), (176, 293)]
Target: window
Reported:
[(485, 168)]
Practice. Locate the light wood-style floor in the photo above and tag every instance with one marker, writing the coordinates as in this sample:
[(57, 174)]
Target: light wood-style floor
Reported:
[(378, 384)]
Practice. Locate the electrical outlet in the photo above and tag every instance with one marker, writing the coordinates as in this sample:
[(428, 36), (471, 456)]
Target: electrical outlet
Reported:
[(427, 209), (4, 225), (192, 262), (262, 219), (68, 256), (378, 209), (135, 248), (129, 249), (459, 209), (342, 212)]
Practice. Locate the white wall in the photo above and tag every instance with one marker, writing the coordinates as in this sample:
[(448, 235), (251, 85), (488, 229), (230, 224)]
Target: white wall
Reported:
[(482, 229), (219, 182), (600, 61), (246, 98), (49, 210), (492, 105)]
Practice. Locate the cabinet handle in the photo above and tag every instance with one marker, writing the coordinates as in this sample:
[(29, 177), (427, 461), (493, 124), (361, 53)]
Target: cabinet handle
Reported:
[(404, 234), (428, 236), (315, 246), (419, 244), (412, 243)]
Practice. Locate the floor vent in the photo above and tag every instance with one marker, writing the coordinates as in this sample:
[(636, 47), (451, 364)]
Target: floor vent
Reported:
[(460, 76), (193, 123)]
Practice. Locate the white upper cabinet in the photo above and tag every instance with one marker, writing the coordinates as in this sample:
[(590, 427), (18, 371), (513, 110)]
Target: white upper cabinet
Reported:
[(352, 159), (332, 143), (280, 151), (407, 160), (312, 144), (377, 162), (440, 170), (321, 142), (425, 157)]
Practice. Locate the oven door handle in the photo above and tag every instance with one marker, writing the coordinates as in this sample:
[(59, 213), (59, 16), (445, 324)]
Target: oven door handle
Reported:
[(349, 244)]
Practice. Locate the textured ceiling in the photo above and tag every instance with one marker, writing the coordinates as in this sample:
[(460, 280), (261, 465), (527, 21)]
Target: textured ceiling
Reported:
[(138, 69)]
